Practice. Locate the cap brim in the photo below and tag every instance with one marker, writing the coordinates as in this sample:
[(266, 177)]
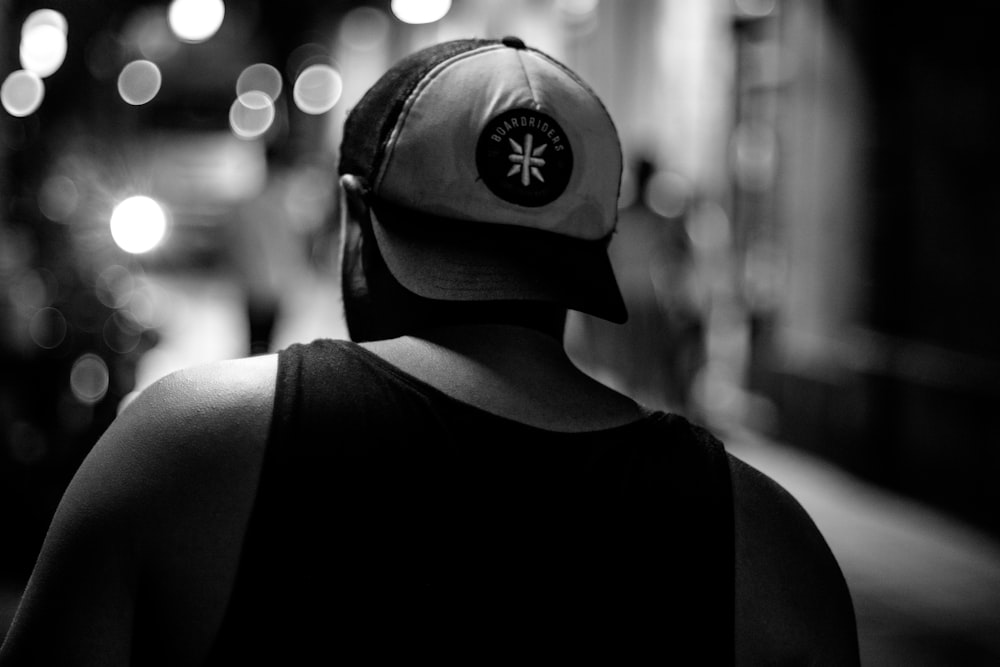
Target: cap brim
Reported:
[(458, 260)]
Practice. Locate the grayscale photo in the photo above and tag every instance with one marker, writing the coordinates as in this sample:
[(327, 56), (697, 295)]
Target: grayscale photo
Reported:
[(498, 332)]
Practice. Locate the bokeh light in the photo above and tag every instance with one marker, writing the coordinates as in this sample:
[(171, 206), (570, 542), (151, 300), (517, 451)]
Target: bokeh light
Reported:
[(577, 7), (43, 50), (89, 379), (22, 93), (668, 193), (364, 28), (151, 305), (49, 17), (317, 89), (115, 285), (138, 224), (195, 20), (58, 198), (260, 77), (32, 290), (420, 11), (47, 328), (122, 333), (708, 227), (755, 155), (756, 8), (139, 82), (43, 42), (251, 114)]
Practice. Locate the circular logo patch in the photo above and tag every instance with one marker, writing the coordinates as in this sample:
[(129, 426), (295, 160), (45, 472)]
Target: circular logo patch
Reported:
[(524, 158)]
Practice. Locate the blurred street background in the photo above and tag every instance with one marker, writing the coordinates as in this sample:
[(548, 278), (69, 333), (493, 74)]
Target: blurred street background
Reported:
[(807, 237)]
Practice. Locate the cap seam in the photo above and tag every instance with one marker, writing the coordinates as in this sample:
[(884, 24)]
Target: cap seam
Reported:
[(531, 88), (390, 151)]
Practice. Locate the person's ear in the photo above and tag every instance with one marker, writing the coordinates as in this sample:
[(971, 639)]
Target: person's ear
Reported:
[(353, 198), (354, 215)]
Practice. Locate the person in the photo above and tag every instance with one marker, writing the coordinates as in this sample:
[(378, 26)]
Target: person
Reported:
[(266, 254), (656, 356), (446, 485)]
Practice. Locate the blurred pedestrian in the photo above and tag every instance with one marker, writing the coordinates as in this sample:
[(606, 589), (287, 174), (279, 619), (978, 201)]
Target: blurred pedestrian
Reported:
[(267, 257), (655, 355)]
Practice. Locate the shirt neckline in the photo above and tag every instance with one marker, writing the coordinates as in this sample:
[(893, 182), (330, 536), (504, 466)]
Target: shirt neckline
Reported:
[(649, 416)]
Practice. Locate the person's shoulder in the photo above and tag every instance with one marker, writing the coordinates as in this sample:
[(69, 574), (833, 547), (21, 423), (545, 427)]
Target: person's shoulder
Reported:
[(152, 520), (226, 387), (792, 601), (182, 459), (203, 417)]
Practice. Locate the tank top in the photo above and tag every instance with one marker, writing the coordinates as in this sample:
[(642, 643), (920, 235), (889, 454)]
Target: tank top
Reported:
[(396, 523)]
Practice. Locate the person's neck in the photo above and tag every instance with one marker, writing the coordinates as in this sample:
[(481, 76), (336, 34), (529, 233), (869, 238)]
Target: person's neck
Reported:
[(517, 372), (493, 339)]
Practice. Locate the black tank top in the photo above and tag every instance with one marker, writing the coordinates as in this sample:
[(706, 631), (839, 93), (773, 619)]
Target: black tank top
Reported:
[(395, 524)]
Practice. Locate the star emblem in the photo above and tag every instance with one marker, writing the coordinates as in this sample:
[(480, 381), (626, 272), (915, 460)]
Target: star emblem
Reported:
[(526, 160)]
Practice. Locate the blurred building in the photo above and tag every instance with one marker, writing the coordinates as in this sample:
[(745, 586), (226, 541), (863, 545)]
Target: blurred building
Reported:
[(864, 165)]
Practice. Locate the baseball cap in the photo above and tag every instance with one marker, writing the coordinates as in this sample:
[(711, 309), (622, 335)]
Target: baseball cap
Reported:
[(494, 174)]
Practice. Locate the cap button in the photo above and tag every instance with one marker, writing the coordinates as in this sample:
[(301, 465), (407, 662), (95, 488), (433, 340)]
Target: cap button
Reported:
[(513, 42)]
